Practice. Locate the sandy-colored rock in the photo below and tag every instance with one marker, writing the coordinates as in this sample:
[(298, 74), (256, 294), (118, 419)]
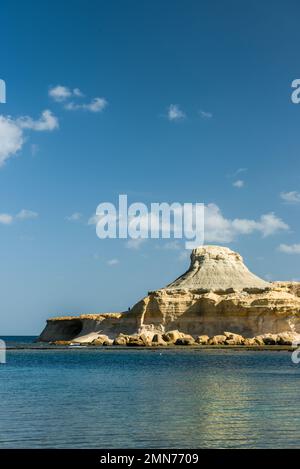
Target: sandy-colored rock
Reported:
[(121, 340), (217, 293), (250, 341), (102, 340), (288, 338), (217, 340), (233, 339), (217, 268), (185, 341), (61, 342), (158, 341), (259, 340), (202, 339), (172, 336), (137, 341)]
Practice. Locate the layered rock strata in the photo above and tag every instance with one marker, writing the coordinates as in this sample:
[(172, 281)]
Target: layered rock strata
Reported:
[(217, 293)]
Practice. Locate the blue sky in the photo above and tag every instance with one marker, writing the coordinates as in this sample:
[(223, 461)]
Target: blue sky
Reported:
[(226, 66)]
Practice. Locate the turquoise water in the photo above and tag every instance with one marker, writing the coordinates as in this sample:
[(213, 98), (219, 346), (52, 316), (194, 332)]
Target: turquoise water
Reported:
[(133, 398)]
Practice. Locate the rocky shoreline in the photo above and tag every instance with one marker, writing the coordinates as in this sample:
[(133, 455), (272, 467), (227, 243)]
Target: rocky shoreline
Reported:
[(177, 338)]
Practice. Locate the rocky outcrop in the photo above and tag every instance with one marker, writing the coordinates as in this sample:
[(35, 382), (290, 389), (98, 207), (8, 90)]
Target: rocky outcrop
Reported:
[(216, 294), (216, 268)]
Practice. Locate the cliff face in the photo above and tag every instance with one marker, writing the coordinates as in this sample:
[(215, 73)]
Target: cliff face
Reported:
[(217, 293)]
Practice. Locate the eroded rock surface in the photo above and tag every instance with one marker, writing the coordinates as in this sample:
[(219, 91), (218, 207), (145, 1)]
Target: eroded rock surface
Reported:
[(216, 294)]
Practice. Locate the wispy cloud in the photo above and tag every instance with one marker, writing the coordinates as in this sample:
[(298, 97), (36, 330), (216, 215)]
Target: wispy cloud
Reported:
[(205, 115), (239, 183), (60, 93), (175, 113), (135, 243), (221, 229), (292, 197), (95, 105), (63, 94), (47, 121), (26, 214), (289, 248), (237, 172), (6, 219), (12, 132), (11, 138), (76, 216), (113, 262)]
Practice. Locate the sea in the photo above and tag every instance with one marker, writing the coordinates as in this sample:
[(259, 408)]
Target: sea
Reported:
[(147, 398)]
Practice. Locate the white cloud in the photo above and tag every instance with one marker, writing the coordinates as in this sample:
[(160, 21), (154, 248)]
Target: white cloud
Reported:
[(93, 220), (239, 183), (96, 105), (46, 122), (217, 228), (290, 248), (77, 92), (5, 219), (11, 138), (135, 243), (220, 229), (74, 217), (12, 132), (205, 115), (237, 172), (175, 113), (112, 262), (61, 93), (25, 214), (292, 197)]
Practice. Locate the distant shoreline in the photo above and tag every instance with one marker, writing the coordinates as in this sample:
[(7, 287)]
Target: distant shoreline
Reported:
[(254, 348)]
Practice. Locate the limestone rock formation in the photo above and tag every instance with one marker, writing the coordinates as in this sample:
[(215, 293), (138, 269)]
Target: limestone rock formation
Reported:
[(216, 268), (217, 293)]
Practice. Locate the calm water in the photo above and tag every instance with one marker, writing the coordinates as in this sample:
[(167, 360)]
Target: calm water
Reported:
[(149, 398)]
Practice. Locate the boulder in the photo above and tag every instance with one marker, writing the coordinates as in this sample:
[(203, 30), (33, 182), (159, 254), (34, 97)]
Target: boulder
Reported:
[(259, 340), (233, 339), (136, 341), (217, 340), (158, 340), (202, 339), (186, 340), (288, 338), (172, 336), (270, 339), (102, 340), (108, 342), (250, 342), (121, 340)]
